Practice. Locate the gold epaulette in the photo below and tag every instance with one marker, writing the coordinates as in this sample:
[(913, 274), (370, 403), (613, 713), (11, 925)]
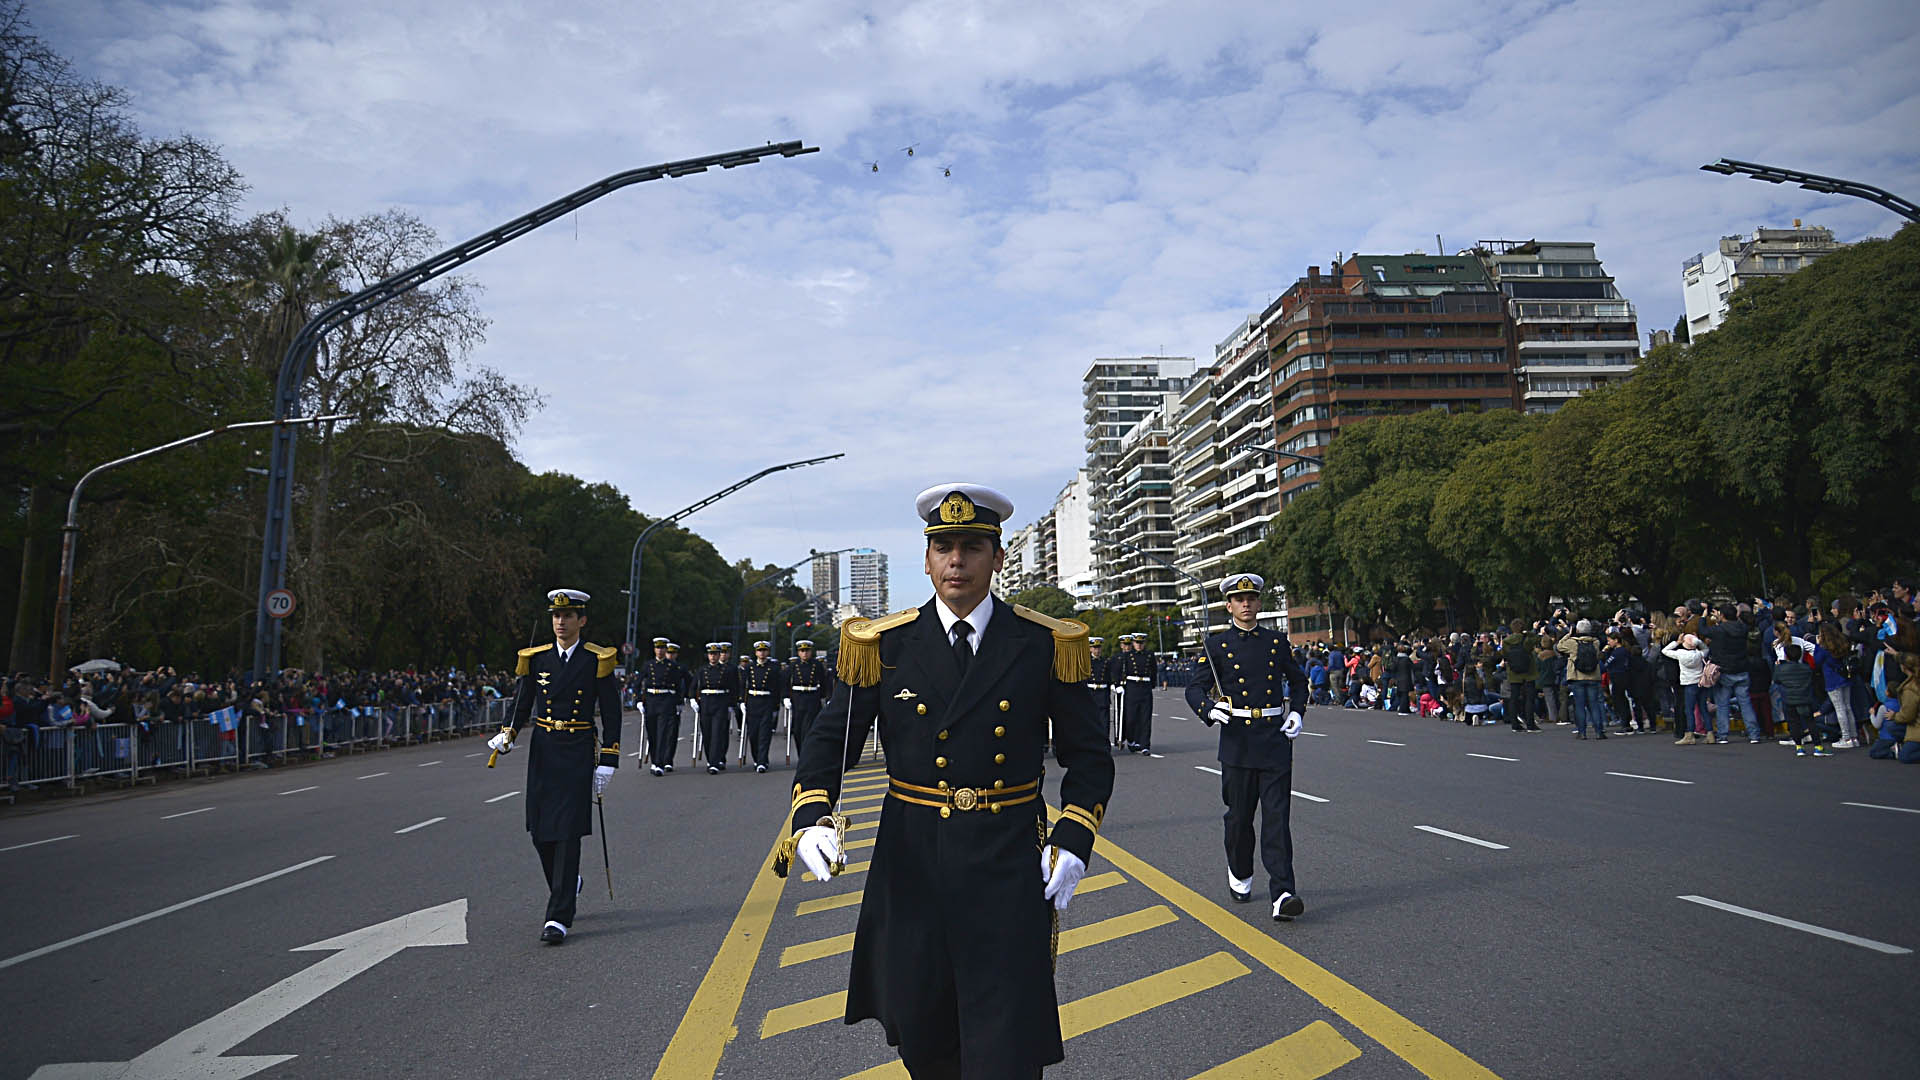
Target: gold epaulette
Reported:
[(859, 663), (525, 667), (607, 657), (1072, 659)]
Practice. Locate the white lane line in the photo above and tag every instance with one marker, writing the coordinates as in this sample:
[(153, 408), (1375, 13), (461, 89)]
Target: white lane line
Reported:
[(185, 813), (1494, 757), (508, 795), (1315, 734), (298, 790), (168, 910), (1155, 756), (1865, 943), (370, 776), (1309, 798), (422, 825), (1204, 768), (424, 764), (1383, 742), (1464, 838), (37, 843), (479, 753), (1637, 776), (1877, 806)]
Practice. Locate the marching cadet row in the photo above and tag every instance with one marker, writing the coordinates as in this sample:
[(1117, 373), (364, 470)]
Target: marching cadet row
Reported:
[(717, 688), (968, 693)]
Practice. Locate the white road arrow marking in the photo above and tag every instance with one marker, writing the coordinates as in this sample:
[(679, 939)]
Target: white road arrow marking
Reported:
[(195, 1054)]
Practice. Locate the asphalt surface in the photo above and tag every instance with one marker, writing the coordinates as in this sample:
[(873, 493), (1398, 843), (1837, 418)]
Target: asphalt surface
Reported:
[(1565, 952)]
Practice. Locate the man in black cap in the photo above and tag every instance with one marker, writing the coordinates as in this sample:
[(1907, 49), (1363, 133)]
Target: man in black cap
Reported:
[(661, 682), (765, 685), (808, 689), (1100, 684), (716, 692), (1256, 692), (961, 900), (569, 762), (1140, 671)]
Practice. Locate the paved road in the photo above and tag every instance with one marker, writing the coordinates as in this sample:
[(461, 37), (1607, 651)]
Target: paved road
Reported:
[(1564, 951)]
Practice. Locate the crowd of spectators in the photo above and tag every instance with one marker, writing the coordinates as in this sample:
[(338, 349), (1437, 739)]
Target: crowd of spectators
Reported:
[(1818, 678), (288, 713)]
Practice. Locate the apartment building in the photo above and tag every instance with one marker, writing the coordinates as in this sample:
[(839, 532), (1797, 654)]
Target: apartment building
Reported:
[(1137, 522), (1016, 573), (1570, 330), (867, 578), (826, 588), (1709, 278), (1070, 539), (1116, 395)]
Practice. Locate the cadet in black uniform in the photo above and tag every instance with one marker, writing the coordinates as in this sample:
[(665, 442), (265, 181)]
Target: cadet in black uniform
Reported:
[(569, 763), (716, 691), (1141, 672), (686, 698), (765, 684), (661, 683), (961, 900), (808, 686), (1256, 692), (1100, 685)]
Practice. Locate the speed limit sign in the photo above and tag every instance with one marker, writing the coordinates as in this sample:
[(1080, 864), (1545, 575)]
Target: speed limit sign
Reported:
[(280, 603)]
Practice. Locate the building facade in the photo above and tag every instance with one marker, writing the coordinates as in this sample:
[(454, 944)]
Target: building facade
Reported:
[(1570, 330), (1709, 278), (826, 588), (1070, 540), (1116, 395), (1137, 517), (867, 581)]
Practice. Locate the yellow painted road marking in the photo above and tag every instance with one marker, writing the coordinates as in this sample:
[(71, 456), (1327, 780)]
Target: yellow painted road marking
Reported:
[(853, 845), (1084, 937), (852, 868), (804, 1014), (828, 903), (856, 826), (1097, 882), (860, 799), (874, 809), (1416, 1045), (1112, 1006), (852, 789), (814, 950), (708, 1025), (1307, 1054), (1142, 995)]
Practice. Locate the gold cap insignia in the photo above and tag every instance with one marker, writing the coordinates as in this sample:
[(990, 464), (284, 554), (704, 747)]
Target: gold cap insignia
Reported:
[(957, 509)]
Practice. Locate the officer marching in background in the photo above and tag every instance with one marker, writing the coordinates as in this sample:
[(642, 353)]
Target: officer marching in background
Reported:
[(765, 684), (686, 698), (966, 882), (1257, 693), (716, 691), (808, 686), (1140, 671), (661, 683), (568, 763), (1100, 684)]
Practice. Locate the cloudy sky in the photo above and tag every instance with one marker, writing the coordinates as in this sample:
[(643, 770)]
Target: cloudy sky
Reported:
[(1127, 178)]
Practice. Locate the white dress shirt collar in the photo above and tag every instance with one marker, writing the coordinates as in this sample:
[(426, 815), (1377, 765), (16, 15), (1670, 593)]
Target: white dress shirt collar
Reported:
[(978, 618), (565, 652)]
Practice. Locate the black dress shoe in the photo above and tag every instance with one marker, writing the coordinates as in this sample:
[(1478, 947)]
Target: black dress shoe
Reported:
[(1287, 907), (668, 766), (1241, 897), (714, 770), (656, 770), (553, 934)]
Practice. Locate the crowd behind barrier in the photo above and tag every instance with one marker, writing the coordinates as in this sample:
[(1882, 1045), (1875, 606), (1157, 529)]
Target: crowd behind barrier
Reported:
[(1816, 678), (127, 726)]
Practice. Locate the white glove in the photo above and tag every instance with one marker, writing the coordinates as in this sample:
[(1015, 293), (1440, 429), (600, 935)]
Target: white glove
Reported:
[(1221, 713), (819, 850), (1291, 729), (1061, 870), (601, 774), (501, 743)]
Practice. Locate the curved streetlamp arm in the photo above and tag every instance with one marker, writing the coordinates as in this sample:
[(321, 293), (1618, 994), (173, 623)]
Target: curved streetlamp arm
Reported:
[(1827, 185), (1206, 616), (740, 601)]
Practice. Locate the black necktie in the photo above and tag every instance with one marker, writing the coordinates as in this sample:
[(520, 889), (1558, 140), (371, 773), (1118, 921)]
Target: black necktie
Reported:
[(962, 651)]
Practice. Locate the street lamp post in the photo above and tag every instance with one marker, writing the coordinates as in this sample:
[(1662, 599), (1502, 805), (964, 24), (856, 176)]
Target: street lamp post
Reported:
[(740, 601), (70, 532), (1828, 185), (1206, 616), (640, 544)]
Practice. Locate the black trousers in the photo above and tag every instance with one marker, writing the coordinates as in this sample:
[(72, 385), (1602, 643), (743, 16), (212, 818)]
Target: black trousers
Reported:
[(1271, 790), (949, 1069), (763, 715), (1136, 715), (1520, 703), (716, 727), (560, 861), (663, 728), (806, 708), (1103, 708)]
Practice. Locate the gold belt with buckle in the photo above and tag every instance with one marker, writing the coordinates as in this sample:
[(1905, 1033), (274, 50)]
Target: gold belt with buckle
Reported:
[(564, 725), (949, 799)]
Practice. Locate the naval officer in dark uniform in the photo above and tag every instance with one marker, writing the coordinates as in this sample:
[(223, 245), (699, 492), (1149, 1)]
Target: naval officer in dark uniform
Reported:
[(661, 684), (808, 687), (765, 683), (1140, 671), (569, 762), (953, 951), (716, 691), (1100, 684), (1256, 692)]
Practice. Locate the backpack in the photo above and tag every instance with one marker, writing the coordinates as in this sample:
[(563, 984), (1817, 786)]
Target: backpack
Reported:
[(1586, 656), (1709, 674), (1519, 659)]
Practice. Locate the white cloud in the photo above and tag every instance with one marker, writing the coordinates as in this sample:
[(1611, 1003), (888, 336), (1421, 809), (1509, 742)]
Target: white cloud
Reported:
[(1127, 178)]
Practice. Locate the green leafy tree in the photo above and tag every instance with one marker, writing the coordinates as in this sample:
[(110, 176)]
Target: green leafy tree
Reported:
[(1047, 600)]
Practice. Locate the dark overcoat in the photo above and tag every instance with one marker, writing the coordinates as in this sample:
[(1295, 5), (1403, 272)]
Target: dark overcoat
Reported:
[(560, 701)]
